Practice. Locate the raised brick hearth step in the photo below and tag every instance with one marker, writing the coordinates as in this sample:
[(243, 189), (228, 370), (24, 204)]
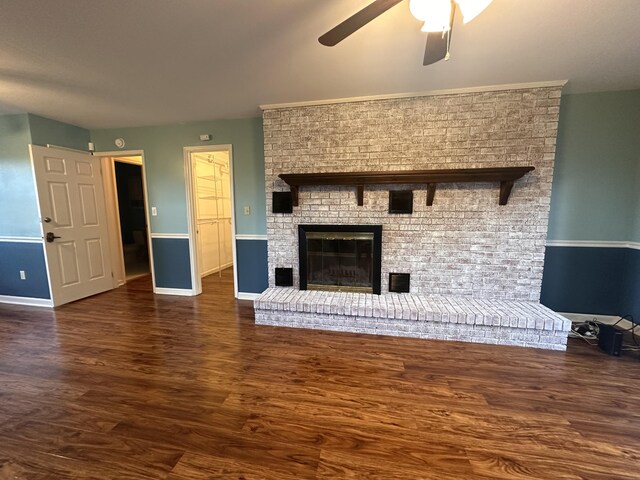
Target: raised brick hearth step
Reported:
[(443, 317)]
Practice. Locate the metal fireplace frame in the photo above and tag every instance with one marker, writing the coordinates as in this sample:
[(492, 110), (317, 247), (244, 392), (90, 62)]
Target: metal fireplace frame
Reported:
[(376, 254)]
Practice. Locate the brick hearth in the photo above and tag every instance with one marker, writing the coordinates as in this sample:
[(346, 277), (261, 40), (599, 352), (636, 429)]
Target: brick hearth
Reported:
[(441, 317)]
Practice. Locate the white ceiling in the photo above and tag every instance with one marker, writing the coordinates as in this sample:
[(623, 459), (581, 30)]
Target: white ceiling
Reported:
[(115, 63)]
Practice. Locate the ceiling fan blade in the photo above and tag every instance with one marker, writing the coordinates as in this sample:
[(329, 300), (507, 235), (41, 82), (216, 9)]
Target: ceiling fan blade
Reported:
[(357, 21), (438, 43), (436, 48)]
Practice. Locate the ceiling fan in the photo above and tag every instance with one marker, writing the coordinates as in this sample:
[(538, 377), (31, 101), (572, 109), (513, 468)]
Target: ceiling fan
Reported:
[(437, 16)]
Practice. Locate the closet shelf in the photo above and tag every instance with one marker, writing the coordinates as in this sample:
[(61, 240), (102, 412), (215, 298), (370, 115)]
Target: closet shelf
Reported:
[(212, 197)]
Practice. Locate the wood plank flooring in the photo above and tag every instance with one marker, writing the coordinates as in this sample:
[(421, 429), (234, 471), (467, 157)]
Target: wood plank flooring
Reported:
[(125, 385)]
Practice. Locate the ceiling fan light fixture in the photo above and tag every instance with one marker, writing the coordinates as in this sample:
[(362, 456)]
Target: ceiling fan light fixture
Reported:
[(436, 14), (472, 8)]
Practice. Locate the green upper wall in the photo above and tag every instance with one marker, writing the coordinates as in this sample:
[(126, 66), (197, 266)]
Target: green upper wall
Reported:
[(18, 201), (46, 131), (18, 204), (596, 186), (164, 167), (596, 183)]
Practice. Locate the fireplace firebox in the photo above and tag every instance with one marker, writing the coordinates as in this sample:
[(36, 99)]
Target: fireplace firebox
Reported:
[(340, 257)]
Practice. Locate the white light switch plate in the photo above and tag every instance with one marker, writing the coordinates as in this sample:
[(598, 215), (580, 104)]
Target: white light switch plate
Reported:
[(154, 211)]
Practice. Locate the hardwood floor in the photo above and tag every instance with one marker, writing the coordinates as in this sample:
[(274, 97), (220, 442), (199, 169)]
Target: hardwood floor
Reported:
[(125, 385)]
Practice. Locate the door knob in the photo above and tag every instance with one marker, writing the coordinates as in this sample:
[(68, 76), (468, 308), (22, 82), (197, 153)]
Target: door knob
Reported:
[(46, 219), (51, 237)]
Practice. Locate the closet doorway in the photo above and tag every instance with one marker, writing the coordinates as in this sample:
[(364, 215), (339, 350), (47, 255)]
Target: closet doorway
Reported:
[(209, 176)]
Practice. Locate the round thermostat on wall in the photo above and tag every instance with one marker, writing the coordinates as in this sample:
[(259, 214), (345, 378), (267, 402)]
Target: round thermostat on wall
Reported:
[(119, 142)]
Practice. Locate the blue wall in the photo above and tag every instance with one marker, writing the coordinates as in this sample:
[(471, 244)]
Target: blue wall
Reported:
[(585, 279), (635, 233), (595, 198), (630, 301), (164, 166), (252, 265), (171, 262), (16, 256)]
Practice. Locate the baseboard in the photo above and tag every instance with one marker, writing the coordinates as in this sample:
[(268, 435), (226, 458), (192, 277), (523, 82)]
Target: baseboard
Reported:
[(606, 319), (247, 296), (29, 301), (183, 292)]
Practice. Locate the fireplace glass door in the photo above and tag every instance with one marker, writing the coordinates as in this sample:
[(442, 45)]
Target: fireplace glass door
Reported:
[(340, 260)]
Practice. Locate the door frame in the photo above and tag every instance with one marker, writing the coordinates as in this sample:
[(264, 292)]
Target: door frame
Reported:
[(196, 280), (109, 175)]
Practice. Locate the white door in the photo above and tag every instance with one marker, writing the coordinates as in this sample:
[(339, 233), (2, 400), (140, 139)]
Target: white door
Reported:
[(74, 222)]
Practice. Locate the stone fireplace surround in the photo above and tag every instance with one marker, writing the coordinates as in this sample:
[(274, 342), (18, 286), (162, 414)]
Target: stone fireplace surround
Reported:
[(476, 267)]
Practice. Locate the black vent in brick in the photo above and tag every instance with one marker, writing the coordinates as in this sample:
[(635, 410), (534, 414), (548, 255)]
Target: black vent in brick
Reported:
[(282, 202), (400, 201), (399, 282), (284, 277)]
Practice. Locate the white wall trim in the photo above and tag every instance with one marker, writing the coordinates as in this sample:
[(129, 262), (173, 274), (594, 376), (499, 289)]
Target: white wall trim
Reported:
[(593, 243), (429, 93), (183, 292), (247, 296), (606, 319), (69, 149), (241, 236), (21, 239), (170, 235), (29, 301), (121, 153)]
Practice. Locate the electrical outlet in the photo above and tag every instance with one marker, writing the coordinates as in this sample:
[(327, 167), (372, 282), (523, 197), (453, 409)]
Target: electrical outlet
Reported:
[(154, 211), (246, 210), (23, 275)]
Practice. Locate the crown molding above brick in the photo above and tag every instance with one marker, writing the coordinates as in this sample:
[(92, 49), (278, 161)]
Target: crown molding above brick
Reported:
[(429, 93)]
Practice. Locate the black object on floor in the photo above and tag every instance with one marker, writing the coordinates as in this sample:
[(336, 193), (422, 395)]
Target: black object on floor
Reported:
[(610, 340)]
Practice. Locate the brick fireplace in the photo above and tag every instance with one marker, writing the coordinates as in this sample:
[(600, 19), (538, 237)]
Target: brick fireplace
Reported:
[(465, 248)]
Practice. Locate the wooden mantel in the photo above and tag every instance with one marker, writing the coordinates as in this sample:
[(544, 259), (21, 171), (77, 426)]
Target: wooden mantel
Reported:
[(505, 175)]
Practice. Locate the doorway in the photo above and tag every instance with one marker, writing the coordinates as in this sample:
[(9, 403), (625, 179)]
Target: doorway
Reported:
[(131, 213), (209, 182), (125, 190)]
